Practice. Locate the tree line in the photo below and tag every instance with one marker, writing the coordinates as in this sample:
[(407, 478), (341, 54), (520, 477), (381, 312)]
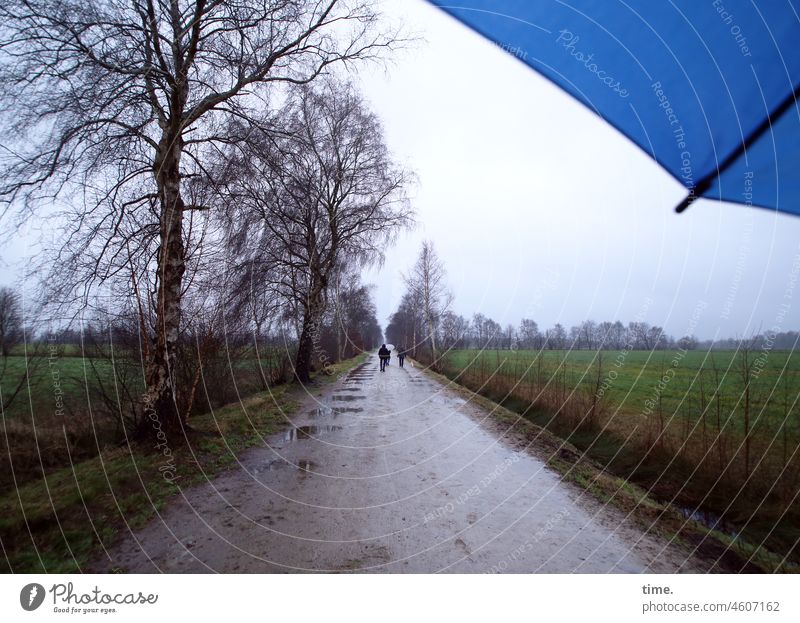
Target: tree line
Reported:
[(425, 324)]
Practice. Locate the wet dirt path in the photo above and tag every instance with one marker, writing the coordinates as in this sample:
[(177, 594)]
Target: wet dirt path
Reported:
[(390, 472)]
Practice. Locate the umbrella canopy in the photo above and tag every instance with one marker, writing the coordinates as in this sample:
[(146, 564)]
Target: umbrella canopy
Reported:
[(707, 89)]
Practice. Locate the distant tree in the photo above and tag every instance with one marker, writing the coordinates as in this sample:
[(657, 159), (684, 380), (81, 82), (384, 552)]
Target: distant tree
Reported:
[(493, 332), (12, 331), (453, 330), (529, 336), (510, 338), (639, 333), (405, 324), (658, 339), (558, 336), (618, 335), (355, 325), (575, 337), (687, 342), (604, 335), (427, 283), (10, 320), (478, 330), (589, 334)]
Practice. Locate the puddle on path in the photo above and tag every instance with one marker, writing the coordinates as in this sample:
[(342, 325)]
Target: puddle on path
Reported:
[(325, 411), (308, 432), (359, 372)]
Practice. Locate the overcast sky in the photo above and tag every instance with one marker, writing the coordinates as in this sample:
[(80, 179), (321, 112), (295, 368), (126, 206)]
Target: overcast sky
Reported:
[(539, 209)]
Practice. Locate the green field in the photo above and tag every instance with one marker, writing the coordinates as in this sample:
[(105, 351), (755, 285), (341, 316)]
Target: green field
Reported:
[(69, 379), (71, 407), (630, 379), (71, 374)]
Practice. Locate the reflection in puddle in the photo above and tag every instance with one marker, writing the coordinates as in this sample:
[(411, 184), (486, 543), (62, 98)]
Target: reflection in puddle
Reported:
[(324, 411), (360, 374), (308, 432)]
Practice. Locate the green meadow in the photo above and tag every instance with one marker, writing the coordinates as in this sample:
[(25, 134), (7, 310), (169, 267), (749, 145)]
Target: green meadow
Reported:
[(687, 383)]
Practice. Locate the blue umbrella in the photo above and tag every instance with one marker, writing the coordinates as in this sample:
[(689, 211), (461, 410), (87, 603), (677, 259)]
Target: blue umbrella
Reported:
[(708, 89)]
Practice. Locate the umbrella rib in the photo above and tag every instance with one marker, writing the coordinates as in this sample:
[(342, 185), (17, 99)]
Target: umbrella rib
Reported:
[(696, 191)]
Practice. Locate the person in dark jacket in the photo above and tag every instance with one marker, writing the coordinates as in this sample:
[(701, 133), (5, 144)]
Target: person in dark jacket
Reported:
[(401, 355), (384, 354)]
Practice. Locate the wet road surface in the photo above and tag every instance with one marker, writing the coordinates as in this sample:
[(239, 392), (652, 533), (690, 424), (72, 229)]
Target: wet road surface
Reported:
[(390, 472)]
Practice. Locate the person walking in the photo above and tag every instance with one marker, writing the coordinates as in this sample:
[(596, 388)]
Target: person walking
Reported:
[(383, 355), (401, 355)]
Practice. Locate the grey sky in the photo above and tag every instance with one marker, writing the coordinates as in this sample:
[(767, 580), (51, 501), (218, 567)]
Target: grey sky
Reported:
[(540, 209)]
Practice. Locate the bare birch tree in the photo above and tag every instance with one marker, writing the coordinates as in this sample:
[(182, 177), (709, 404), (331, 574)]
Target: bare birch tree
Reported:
[(98, 97), (323, 195), (427, 284)]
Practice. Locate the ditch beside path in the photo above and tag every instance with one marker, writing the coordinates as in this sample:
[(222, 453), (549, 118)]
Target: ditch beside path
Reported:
[(391, 472)]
